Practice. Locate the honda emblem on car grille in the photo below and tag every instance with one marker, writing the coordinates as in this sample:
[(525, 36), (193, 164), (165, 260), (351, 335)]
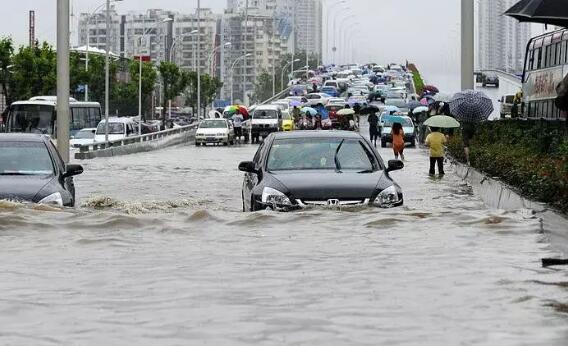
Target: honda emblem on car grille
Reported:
[(333, 202)]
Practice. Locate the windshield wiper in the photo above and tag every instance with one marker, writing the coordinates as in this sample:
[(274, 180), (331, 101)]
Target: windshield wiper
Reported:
[(336, 158), (14, 173), (367, 171)]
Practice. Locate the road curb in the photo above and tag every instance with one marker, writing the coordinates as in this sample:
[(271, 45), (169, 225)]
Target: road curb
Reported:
[(499, 195), (138, 147)]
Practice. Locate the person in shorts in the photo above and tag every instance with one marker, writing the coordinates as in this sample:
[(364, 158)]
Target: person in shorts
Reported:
[(238, 125)]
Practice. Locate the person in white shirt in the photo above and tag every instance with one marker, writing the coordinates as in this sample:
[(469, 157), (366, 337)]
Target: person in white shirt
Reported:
[(238, 125)]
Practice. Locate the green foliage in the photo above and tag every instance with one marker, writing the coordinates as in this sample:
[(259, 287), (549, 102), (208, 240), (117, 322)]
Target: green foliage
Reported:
[(6, 51), (33, 72), (262, 87), (418, 81), (530, 155)]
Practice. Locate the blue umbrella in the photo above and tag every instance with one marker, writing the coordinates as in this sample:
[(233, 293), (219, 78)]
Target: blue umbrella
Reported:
[(310, 111), (323, 112), (393, 119), (414, 104)]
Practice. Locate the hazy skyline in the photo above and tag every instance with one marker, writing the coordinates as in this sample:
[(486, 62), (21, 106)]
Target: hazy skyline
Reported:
[(383, 30)]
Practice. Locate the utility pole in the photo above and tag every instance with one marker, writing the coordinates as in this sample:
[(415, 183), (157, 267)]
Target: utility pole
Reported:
[(467, 44), (107, 68), (63, 79), (198, 58), (245, 53)]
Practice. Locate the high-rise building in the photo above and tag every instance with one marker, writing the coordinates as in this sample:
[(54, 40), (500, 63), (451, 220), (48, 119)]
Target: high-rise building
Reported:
[(259, 38), (501, 40)]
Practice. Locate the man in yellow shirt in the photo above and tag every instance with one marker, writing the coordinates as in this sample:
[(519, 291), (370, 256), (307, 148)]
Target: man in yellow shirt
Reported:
[(436, 141)]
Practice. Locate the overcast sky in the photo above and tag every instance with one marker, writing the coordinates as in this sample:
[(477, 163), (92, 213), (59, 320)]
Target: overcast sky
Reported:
[(424, 32)]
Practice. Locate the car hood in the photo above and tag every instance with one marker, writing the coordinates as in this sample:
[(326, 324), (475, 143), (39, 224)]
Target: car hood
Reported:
[(212, 131), (22, 188), (324, 185), (264, 121)]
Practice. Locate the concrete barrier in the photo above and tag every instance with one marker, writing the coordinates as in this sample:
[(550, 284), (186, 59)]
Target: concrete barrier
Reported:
[(501, 196), (157, 143)]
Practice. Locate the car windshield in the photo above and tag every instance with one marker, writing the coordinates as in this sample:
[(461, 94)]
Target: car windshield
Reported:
[(396, 102), (113, 129), (85, 134), (32, 119), (25, 158), (320, 154), (403, 121), (213, 124), (265, 114)]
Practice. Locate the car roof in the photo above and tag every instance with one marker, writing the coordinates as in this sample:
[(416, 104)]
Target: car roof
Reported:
[(267, 107), (317, 134), (22, 137)]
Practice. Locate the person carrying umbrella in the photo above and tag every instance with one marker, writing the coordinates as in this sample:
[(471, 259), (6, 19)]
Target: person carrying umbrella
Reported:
[(436, 141), (238, 119), (470, 107)]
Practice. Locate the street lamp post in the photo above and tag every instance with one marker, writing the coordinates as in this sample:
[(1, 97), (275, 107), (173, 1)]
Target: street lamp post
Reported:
[(140, 72), (242, 57), (341, 23), (107, 69), (91, 15), (211, 59), (284, 70), (328, 17)]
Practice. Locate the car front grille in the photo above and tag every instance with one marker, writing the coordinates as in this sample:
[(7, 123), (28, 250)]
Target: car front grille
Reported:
[(333, 203)]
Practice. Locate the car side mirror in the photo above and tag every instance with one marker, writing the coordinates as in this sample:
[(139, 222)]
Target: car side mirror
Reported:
[(248, 167), (73, 170), (395, 165)]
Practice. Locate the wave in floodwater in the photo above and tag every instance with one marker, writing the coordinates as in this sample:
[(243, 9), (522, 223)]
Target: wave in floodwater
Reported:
[(168, 258)]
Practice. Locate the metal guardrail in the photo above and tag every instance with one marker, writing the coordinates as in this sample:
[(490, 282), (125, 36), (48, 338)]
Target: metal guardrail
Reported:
[(137, 139)]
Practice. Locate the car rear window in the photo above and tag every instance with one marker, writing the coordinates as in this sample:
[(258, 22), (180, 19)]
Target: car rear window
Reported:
[(25, 158)]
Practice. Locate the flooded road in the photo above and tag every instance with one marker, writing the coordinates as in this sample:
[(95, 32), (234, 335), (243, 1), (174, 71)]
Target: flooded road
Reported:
[(161, 254)]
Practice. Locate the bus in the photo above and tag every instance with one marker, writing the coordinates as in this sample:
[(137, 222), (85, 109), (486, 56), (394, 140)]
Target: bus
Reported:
[(546, 64), (38, 115)]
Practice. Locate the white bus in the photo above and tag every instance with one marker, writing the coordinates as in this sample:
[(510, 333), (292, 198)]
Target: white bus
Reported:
[(546, 64), (38, 115)]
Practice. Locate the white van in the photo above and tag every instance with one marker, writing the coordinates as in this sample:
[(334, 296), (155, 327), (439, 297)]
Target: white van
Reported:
[(118, 128)]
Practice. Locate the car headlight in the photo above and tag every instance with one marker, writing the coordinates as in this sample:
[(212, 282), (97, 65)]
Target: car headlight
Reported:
[(200, 135), (275, 198), (53, 199), (388, 198)]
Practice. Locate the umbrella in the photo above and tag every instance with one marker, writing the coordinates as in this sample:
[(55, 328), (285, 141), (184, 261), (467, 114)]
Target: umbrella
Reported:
[(414, 104), (309, 110), (369, 110), (244, 111), (471, 106), (346, 111), (295, 103), (420, 109), (553, 12), (432, 89), (442, 121)]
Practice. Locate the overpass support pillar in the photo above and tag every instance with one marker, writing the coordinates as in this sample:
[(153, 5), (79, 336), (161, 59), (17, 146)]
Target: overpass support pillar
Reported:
[(467, 44)]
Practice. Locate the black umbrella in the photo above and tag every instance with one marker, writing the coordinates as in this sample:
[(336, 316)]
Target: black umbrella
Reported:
[(553, 12), (369, 110), (471, 106)]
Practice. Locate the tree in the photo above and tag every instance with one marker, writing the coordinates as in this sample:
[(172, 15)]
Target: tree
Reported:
[(149, 78), (33, 72), (6, 52), (262, 87), (209, 89), (174, 81)]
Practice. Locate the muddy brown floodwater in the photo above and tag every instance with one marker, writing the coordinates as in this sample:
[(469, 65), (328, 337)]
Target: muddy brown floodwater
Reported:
[(159, 253)]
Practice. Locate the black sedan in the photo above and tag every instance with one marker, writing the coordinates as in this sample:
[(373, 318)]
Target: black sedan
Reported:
[(295, 170), (31, 170)]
